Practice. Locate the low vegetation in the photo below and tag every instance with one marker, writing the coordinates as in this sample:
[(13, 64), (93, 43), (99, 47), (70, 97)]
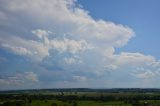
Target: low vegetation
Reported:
[(75, 98)]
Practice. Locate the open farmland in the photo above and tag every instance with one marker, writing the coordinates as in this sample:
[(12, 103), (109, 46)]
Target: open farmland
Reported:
[(81, 97)]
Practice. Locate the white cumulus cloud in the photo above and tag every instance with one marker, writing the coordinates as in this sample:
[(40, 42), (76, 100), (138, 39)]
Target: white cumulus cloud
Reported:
[(59, 34)]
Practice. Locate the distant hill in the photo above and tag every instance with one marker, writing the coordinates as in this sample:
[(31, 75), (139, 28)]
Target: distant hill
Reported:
[(112, 90)]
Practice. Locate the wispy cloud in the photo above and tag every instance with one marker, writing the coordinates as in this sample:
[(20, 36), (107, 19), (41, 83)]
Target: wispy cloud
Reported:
[(19, 79)]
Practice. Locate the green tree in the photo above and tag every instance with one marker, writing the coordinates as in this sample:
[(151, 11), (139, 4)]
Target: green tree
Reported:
[(74, 104), (54, 104)]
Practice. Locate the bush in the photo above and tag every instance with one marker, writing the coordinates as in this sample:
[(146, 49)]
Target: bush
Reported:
[(54, 104)]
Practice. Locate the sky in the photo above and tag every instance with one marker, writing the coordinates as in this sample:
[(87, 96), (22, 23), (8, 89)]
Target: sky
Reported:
[(79, 44), (141, 15)]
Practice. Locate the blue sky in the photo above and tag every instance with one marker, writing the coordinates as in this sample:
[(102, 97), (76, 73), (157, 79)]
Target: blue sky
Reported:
[(141, 15), (84, 43)]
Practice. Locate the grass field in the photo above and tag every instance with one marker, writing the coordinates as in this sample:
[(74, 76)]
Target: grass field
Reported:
[(80, 99), (73, 103)]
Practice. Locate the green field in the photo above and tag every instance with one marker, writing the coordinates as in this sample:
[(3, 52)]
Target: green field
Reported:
[(61, 103), (74, 103), (79, 99)]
